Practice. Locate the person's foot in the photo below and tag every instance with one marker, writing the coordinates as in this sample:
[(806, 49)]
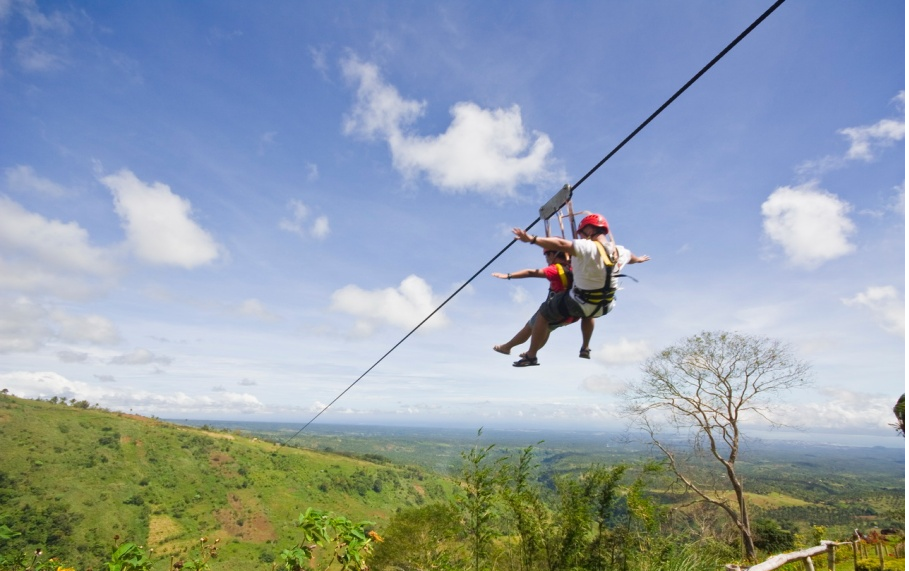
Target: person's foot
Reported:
[(526, 361), (501, 349), (585, 353)]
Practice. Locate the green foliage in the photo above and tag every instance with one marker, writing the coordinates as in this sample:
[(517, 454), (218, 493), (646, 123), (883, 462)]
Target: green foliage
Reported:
[(426, 537), (63, 490), (71, 476), (128, 557), (480, 479), (346, 542), (874, 564), (899, 411), (771, 537)]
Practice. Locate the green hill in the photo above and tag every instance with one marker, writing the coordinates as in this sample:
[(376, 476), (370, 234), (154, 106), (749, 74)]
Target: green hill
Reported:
[(72, 477)]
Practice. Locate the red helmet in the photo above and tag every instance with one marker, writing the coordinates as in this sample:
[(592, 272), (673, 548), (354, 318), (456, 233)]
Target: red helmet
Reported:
[(596, 220)]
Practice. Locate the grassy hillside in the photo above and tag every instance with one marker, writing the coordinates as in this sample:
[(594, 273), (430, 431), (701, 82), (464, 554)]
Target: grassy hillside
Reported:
[(72, 477)]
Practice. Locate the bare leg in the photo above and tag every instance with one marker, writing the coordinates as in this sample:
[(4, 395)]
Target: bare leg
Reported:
[(538, 337), (520, 337), (586, 333)]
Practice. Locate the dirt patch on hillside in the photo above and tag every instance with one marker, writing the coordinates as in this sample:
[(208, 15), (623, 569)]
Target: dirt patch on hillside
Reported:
[(162, 529), (224, 463), (245, 519)]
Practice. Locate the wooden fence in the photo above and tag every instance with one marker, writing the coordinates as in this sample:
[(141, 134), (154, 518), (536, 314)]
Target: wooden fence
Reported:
[(859, 549), (805, 555)]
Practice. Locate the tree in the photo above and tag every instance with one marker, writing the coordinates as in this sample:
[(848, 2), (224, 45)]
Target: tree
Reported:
[(480, 480), (899, 411), (705, 388)]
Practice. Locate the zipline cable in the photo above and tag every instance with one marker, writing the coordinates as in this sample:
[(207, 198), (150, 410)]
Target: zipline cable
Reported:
[(618, 147)]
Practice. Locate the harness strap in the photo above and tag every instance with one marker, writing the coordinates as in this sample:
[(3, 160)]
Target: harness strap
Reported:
[(603, 296), (563, 276)]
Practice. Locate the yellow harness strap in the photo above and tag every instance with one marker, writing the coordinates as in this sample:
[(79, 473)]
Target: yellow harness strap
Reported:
[(562, 275), (606, 259)]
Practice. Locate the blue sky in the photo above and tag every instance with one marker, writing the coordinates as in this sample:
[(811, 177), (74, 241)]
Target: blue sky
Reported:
[(221, 210)]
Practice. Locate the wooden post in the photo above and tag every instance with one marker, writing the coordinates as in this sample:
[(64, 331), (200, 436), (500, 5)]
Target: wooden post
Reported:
[(831, 557), (809, 564), (880, 555), (855, 554)]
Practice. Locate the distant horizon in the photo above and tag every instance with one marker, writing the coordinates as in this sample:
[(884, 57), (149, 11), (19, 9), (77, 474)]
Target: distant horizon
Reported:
[(867, 440)]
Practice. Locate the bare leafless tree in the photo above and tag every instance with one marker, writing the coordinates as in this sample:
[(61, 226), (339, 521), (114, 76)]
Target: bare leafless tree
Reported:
[(704, 389)]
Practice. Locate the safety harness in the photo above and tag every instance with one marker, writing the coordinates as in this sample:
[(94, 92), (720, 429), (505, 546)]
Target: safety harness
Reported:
[(603, 296)]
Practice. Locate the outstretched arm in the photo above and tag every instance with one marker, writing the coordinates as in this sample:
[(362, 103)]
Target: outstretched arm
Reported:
[(545, 242), (519, 274), (638, 259)]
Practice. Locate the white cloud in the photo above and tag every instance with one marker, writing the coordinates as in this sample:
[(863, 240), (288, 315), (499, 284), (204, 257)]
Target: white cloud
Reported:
[(864, 141), (158, 224), (840, 409), (38, 244), (486, 151), (624, 352), (23, 326), (404, 306), (44, 47), (603, 384), (43, 384), (810, 224), (84, 328), (299, 223), (23, 178), (140, 357), (26, 326), (519, 295), (885, 304)]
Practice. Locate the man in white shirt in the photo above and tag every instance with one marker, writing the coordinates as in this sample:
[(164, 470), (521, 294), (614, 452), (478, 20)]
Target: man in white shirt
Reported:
[(596, 263)]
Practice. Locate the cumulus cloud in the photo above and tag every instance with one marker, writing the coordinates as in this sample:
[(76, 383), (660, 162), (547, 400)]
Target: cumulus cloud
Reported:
[(299, 222), (886, 306), (24, 179), (865, 141), (840, 410), (809, 223), (140, 357), (404, 306), (606, 384), (624, 352), (158, 223), (84, 328), (49, 256), (27, 326), (488, 151), (42, 384)]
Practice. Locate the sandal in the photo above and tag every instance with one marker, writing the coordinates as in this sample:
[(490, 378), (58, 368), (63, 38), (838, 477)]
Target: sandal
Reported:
[(498, 349), (585, 353), (526, 362)]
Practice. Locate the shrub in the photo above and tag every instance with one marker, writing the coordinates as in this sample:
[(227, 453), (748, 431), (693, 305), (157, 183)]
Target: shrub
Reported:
[(870, 564)]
